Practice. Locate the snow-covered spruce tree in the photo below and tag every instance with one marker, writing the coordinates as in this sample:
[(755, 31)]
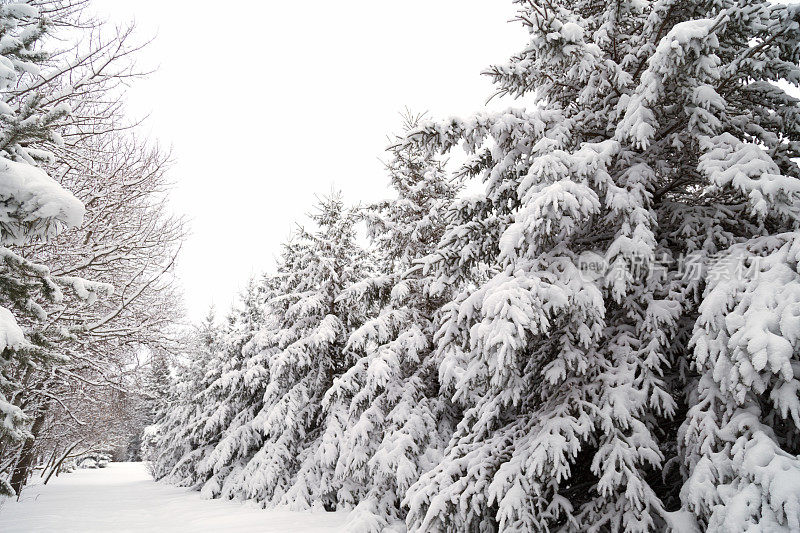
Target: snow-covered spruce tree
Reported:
[(654, 132), (155, 389), (315, 323), (236, 396), (33, 207), (245, 442), (387, 421), (172, 443)]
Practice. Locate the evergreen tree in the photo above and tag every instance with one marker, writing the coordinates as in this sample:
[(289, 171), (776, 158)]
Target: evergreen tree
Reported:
[(391, 422), (656, 140), (174, 444), (311, 336), (236, 395), (155, 393), (157, 383)]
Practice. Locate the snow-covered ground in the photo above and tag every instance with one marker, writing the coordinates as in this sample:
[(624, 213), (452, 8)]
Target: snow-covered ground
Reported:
[(123, 497)]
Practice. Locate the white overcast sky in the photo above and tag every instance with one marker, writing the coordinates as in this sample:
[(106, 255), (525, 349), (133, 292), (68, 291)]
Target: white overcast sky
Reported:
[(266, 103)]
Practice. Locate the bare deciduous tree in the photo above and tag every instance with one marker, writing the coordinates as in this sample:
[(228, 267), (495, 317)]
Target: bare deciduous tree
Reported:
[(62, 111)]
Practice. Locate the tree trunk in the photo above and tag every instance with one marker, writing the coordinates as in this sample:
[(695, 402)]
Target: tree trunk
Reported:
[(20, 472), (49, 462)]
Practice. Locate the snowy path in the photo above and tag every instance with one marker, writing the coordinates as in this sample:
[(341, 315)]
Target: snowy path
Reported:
[(123, 497)]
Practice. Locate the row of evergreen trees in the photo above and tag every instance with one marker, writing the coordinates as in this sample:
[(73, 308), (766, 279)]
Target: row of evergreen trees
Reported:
[(475, 369), (321, 387)]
